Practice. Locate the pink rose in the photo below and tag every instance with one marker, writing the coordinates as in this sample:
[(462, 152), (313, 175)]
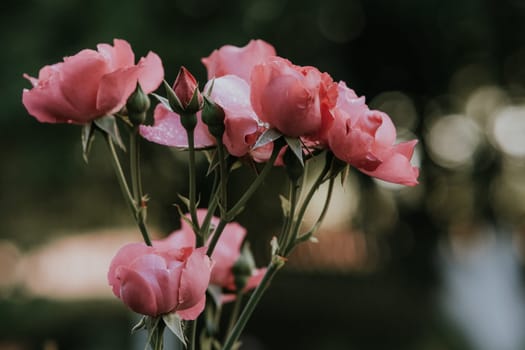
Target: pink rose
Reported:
[(297, 101), (161, 279), (365, 139), (90, 84), (232, 94), (238, 61), (226, 252)]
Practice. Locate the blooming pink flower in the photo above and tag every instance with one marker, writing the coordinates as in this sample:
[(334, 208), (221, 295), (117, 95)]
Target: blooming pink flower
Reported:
[(365, 139), (90, 84), (161, 279), (238, 61), (232, 94), (295, 100), (226, 252)]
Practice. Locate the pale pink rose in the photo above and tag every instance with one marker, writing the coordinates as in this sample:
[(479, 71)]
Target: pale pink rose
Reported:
[(161, 279), (297, 101), (90, 84), (226, 252), (238, 61), (232, 94), (167, 130), (365, 139)]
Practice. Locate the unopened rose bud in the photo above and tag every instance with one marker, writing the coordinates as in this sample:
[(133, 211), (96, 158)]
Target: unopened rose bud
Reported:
[(213, 116), (243, 268), (187, 92), (137, 106)]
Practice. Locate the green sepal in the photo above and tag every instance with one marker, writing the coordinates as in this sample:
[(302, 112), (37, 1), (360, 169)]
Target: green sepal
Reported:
[(266, 137), (87, 136), (140, 325), (164, 101), (173, 101), (108, 124), (174, 324), (296, 147)]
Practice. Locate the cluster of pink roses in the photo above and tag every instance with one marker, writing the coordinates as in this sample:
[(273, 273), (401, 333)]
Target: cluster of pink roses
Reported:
[(258, 91)]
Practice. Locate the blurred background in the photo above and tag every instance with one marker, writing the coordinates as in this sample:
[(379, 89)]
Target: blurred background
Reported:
[(434, 267)]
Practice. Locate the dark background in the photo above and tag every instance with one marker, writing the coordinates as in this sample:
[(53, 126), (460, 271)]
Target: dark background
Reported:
[(420, 61)]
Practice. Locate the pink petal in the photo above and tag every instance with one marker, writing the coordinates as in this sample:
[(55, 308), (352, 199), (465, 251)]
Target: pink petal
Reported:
[(193, 312), (233, 95), (125, 256), (137, 293), (79, 81), (195, 278), (48, 105), (115, 88), (226, 253), (396, 169), (178, 239), (167, 130), (385, 135), (120, 55), (151, 72), (235, 60)]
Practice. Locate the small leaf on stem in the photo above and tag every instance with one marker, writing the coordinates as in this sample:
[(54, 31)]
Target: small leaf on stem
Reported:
[(174, 323), (108, 124)]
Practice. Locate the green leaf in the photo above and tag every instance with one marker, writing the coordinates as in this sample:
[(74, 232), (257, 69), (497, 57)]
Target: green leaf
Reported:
[(184, 200), (163, 100), (174, 323), (266, 137), (296, 147), (108, 124), (285, 205), (274, 244), (87, 136)]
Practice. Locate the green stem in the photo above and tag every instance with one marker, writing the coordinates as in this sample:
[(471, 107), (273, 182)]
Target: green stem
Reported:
[(320, 179), (128, 197), (215, 237), (223, 179), (275, 265), (192, 334), (134, 165), (235, 312), (236, 209), (285, 236), (314, 228), (192, 187)]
